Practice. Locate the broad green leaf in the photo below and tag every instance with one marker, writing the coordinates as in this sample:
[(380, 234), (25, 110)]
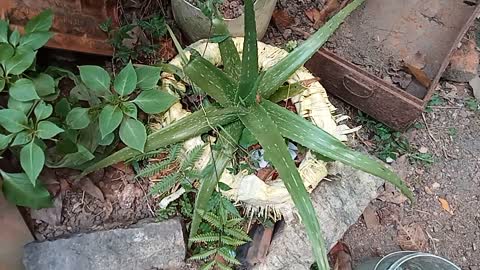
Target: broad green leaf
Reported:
[(279, 73), (2, 84), (14, 38), (210, 79), (287, 91), (126, 80), (78, 118), (62, 107), (44, 84), (190, 126), (47, 130), (41, 22), (228, 51), (5, 140), (147, 77), (109, 119), (129, 108), (106, 25), (72, 160), (227, 145), (19, 105), (43, 111), (19, 190), (296, 128), (267, 133), (89, 136), (13, 120), (3, 32), (154, 101), (23, 90), (21, 60), (6, 51), (32, 160), (80, 92), (246, 90), (23, 137), (107, 140), (247, 139), (95, 78), (35, 40), (133, 134)]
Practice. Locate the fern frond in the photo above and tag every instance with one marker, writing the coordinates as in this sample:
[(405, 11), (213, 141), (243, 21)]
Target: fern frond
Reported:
[(174, 151), (208, 266), (153, 168), (203, 255), (205, 237), (192, 156), (146, 155), (165, 184), (237, 233), (228, 255), (222, 266), (213, 219), (232, 222), (227, 240)]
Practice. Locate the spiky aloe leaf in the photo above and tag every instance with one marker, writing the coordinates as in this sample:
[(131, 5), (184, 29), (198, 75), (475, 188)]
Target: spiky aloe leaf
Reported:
[(280, 72), (246, 91), (210, 79), (228, 51), (287, 91), (298, 129), (264, 129), (226, 145), (190, 126), (180, 50)]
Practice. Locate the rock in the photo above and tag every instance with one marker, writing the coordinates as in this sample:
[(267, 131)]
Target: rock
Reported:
[(463, 63), (146, 246), (338, 205), (475, 84)]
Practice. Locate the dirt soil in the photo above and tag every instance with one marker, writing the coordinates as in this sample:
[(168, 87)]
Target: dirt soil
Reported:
[(230, 9)]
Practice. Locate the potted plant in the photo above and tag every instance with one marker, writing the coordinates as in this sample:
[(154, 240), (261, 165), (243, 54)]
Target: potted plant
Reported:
[(241, 99), (191, 17)]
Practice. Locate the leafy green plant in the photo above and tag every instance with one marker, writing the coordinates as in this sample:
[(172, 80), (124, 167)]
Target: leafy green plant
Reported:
[(130, 48), (472, 104), (436, 100), (28, 125), (241, 96), (107, 110), (221, 233)]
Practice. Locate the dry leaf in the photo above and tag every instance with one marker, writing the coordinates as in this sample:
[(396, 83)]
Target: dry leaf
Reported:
[(167, 50), (419, 74), (313, 15), (281, 19), (53, 215), (445, 205), (428, 190), (90, 188), (412, 237), (370, 217), (340, 254), (327, 10), (392, 195)]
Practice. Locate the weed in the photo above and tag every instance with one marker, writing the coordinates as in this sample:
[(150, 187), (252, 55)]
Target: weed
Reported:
[(452, 132), (436, 100), (472, 104)]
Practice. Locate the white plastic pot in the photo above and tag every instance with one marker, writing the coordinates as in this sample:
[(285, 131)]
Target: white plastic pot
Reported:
[(196, 26)]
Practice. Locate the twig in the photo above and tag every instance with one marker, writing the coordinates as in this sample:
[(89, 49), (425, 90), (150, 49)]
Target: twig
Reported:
[(428, 129), (433, 242)]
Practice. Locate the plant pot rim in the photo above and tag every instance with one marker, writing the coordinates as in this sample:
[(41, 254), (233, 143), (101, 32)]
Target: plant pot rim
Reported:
[(193, 6)]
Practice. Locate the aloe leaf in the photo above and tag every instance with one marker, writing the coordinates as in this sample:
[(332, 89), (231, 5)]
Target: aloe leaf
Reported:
[(268, 134), (177, 45), (287, 91), (227, 145), (210, 79), (298, 129), (249, 75), (228, 51), (280, 72), (195, 124)]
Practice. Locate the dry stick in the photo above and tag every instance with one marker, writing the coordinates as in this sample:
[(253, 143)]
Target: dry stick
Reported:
[(428, 129), (432, 240)]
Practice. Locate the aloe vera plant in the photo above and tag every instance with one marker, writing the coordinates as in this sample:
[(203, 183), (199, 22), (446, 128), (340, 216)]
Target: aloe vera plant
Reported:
[(243, 95)]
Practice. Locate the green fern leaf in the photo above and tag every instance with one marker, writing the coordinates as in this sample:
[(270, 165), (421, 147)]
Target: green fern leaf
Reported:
[(213, 220), (146, 155), (231, 241), (192, 156), (228, 255), (203, 255), (165, 184), (206, 237), (237, 233), (222, 266), (232, 222), (208, 266), (153, 168), (174, 151)]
